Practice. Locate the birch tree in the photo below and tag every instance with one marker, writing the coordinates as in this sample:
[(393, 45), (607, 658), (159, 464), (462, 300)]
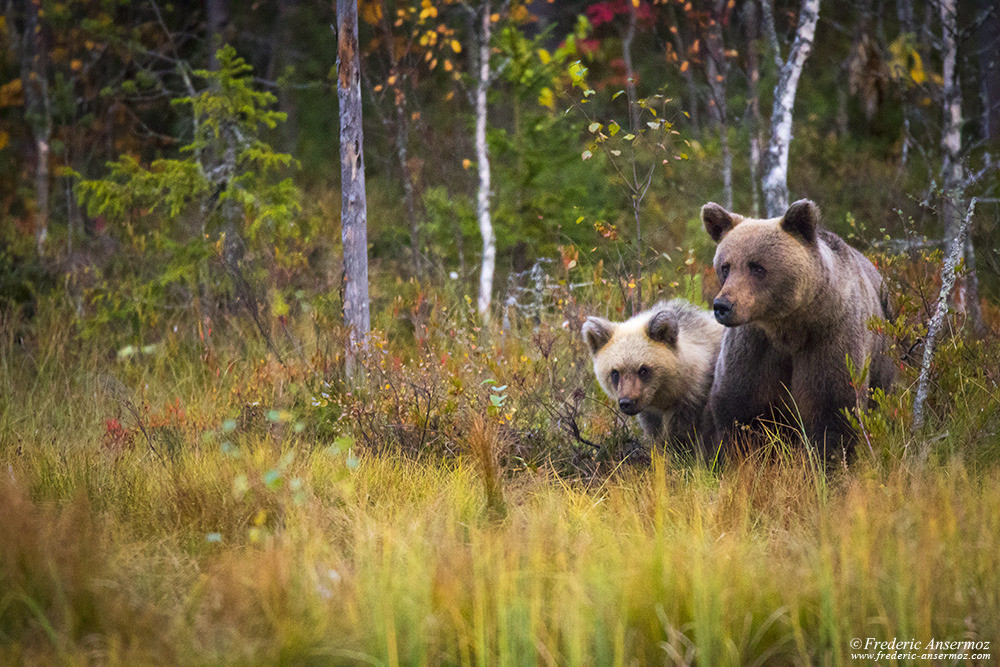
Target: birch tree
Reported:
[(353, 211), (481, 33), (954, 182), (775, 168), (38, 109)]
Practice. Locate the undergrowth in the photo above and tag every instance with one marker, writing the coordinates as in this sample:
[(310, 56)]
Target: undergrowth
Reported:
[(477, 500)]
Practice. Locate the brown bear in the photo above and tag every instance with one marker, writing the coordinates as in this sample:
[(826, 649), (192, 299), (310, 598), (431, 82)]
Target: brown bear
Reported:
[(796, 301), (659, 365)]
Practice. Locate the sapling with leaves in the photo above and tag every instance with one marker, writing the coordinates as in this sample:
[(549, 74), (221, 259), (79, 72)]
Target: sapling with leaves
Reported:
[(634, 156), (226, 195)]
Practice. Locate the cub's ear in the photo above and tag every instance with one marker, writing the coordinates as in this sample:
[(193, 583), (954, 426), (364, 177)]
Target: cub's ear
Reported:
[(597, 332), (801, 219), (718, 221), (662, 328)]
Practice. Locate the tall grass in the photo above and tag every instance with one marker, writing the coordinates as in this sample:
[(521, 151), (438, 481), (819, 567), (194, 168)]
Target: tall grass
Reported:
[(251, 539)]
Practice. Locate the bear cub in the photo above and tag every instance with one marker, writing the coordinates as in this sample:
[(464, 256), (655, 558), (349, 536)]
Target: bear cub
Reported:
[(796, 301), (659, 365)]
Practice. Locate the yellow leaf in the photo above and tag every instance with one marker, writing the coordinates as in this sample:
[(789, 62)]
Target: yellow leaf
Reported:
[(466, 163), (544, 56), (547, 99), (10, 94), (917, 70), (456, 46)]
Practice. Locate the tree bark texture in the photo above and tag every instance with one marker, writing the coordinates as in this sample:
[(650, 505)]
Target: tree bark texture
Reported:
[(775, 177), (949, 272), (483, 35), (354, 222)]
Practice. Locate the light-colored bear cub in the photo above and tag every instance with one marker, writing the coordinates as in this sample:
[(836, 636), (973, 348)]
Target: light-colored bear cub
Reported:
[(659, 365)]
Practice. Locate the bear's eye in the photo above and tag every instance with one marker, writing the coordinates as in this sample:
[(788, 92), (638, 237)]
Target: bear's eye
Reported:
[(615, 376), (724, 272), (757, 270), (644, 373)]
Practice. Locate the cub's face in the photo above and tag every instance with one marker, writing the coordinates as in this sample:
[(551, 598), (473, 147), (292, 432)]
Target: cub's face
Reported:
[(635, 361), (766, 267)]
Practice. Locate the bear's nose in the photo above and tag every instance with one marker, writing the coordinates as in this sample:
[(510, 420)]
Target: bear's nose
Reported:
[(627, 406), (723, 311)]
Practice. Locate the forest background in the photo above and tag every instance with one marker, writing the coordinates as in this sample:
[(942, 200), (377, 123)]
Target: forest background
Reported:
[(202, 465)]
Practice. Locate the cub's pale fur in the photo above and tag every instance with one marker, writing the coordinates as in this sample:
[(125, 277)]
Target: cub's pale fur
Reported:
[(659, 365)]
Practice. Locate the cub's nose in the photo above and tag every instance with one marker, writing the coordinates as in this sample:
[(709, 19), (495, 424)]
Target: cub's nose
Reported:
[(627, 406), (723, 311)]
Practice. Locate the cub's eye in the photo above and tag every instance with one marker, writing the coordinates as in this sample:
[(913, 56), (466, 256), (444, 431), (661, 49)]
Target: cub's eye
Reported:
[(644, 373), (615, 376), (757, 270), (724, 272)]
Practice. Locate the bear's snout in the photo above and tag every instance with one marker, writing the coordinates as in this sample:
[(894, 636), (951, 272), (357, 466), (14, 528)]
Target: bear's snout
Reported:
[(628, 406), (724, 311)]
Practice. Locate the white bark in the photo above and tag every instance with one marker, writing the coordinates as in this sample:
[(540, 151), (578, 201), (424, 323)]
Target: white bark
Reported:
[(354, 209), (775, 179), (948, 274), (951, 135), (483, 162)]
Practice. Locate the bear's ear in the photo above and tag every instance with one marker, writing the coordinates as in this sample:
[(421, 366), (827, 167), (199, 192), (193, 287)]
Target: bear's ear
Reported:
[(597, 332), (801, 219), (718, 221), (662, 328)]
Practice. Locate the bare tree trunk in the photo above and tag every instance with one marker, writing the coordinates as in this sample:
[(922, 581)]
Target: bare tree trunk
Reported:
[(949, 271), (750, 21), (354, 222), (953, 174), (775, 179), (483, 35), (717, 69), (34, 78)]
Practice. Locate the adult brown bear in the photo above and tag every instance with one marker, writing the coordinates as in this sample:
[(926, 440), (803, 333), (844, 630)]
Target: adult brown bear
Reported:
[(796, 301)]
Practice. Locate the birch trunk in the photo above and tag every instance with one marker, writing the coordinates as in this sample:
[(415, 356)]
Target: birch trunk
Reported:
[(953, 174), (35, 84), (354, 223), (775, 178), (948, 274), (483, 161)]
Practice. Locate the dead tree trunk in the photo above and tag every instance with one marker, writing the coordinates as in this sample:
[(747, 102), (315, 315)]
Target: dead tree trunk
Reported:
[(35, 84), (482, 34), (775, 178), (354, 222)]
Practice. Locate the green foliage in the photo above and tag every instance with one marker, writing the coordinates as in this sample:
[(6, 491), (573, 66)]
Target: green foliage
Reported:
[(227, 190)]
